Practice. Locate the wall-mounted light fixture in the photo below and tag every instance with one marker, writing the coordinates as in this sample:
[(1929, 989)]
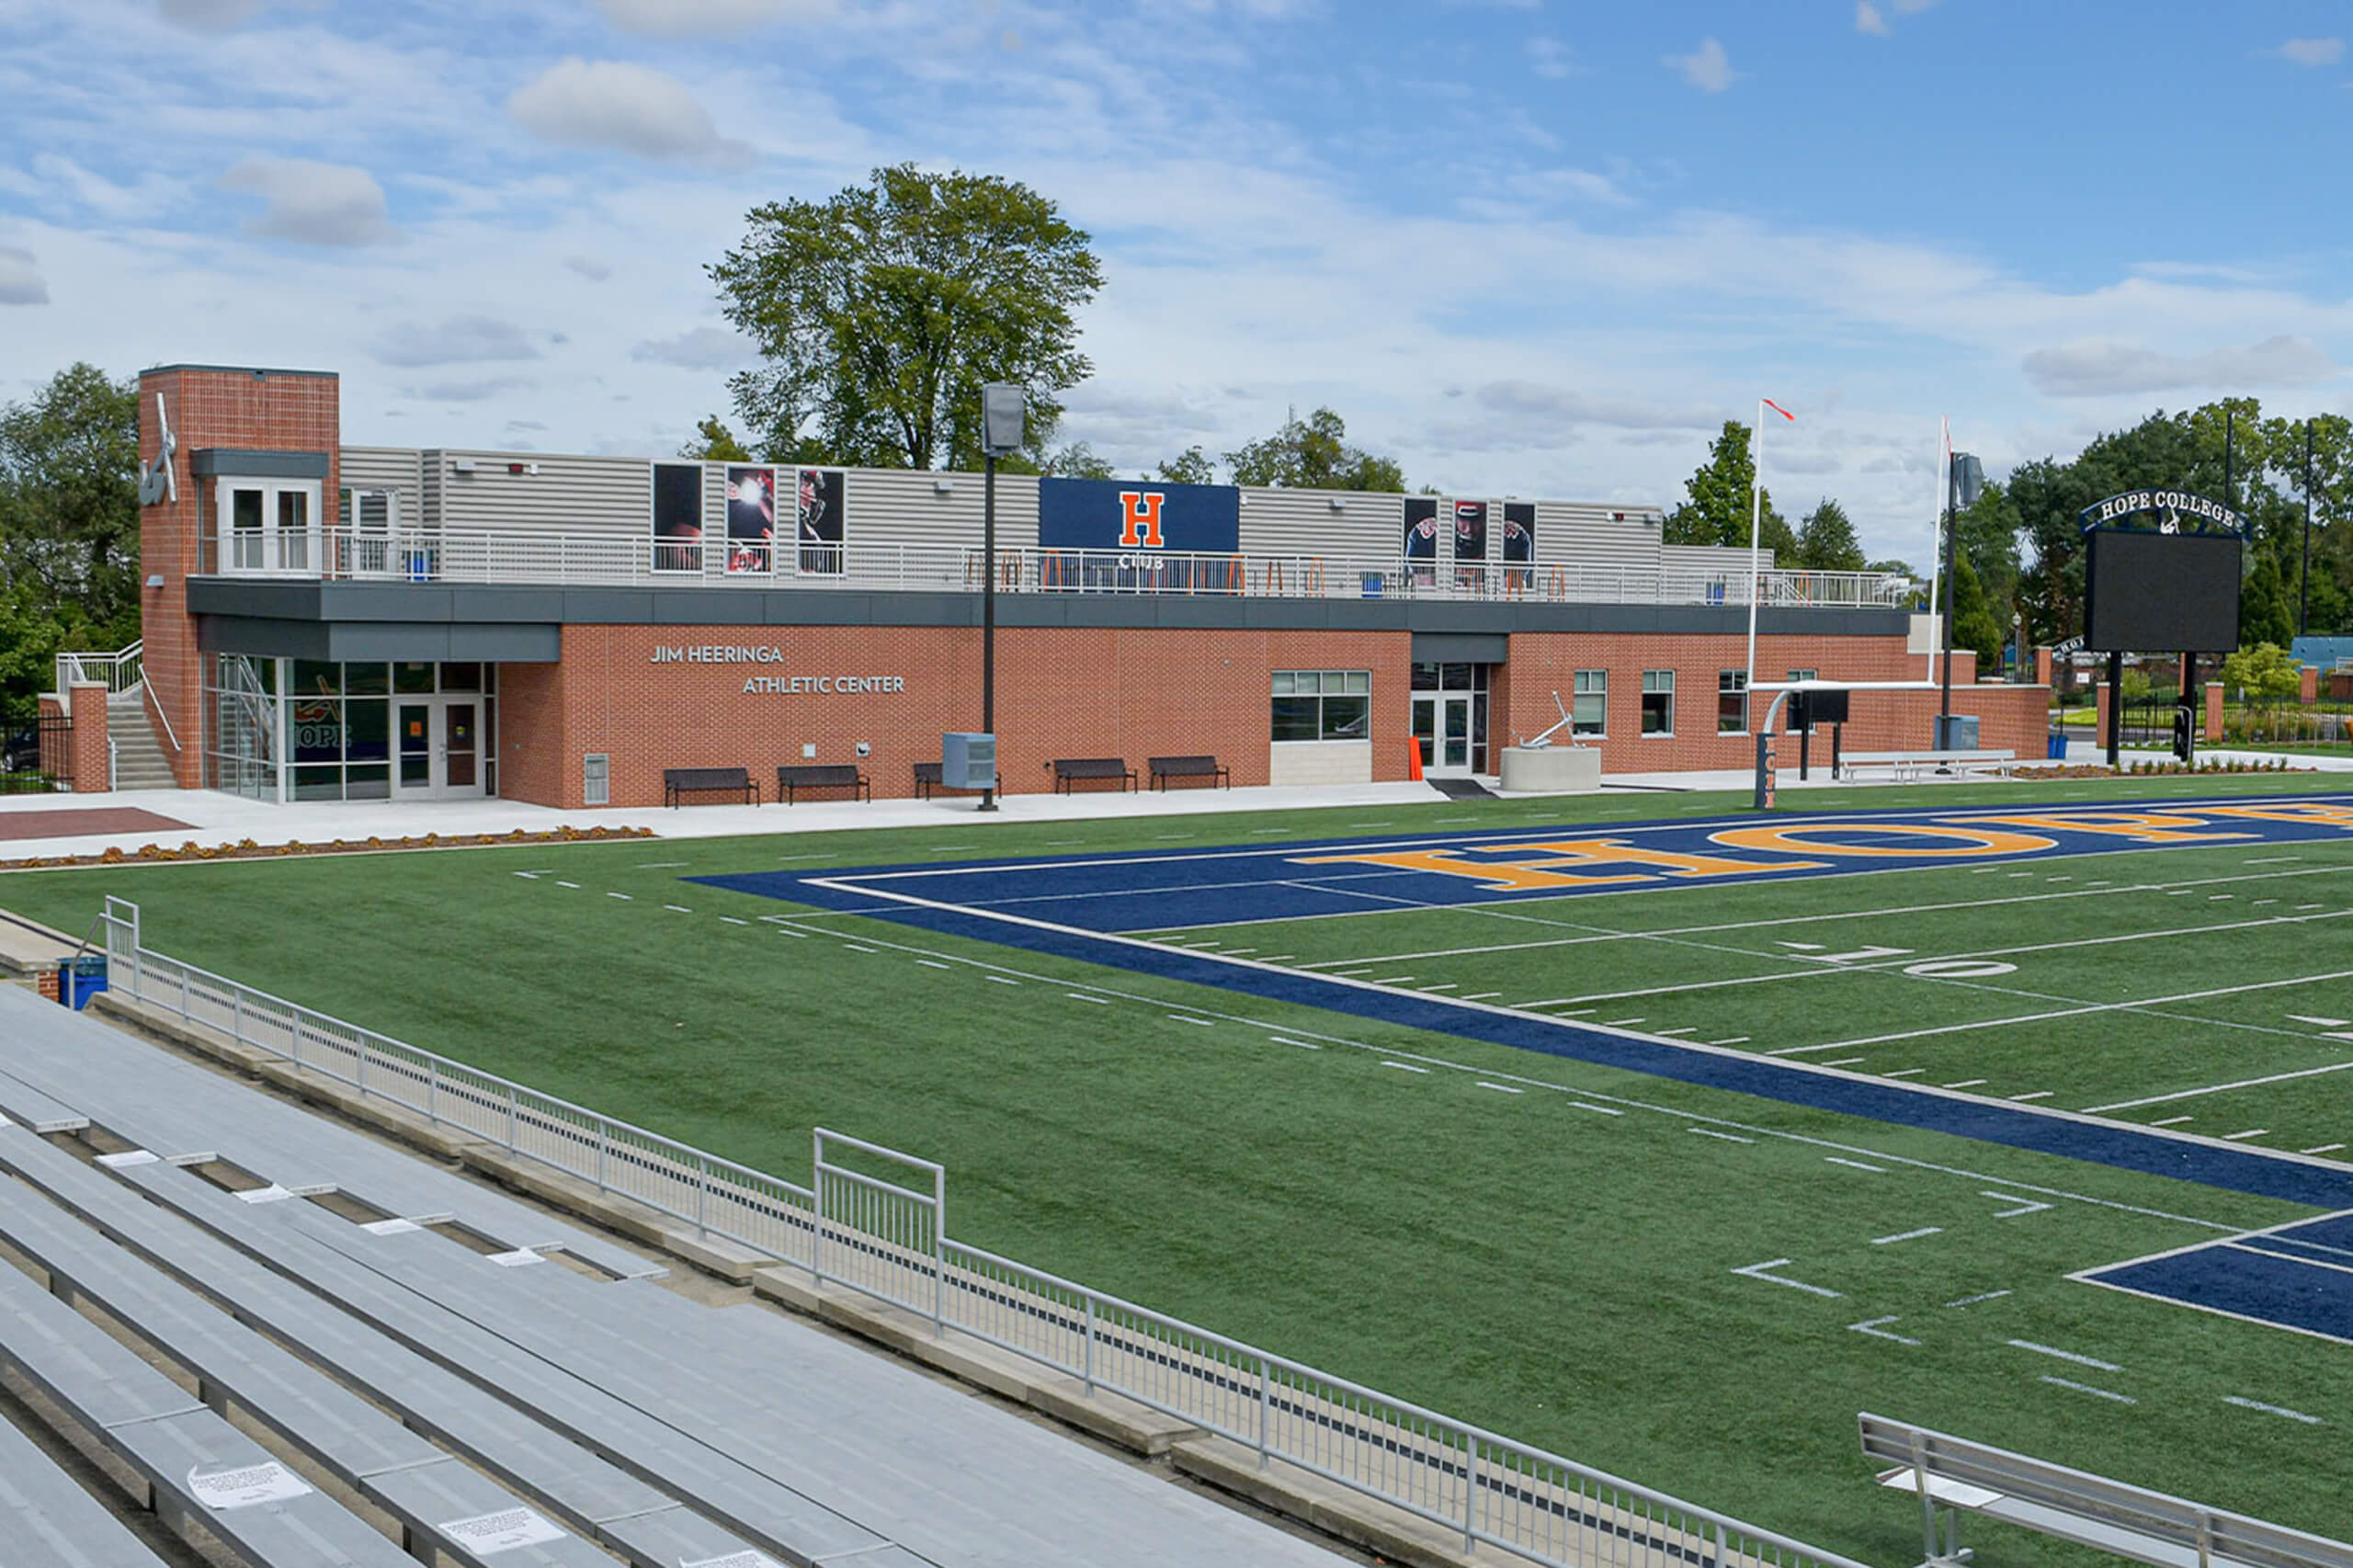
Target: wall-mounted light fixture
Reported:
[(155, 579), (943, 486), (1336, 503), (462, 465)]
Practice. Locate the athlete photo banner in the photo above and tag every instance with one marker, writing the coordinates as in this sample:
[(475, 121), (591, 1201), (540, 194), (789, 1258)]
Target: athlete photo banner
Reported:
[(751, 518)]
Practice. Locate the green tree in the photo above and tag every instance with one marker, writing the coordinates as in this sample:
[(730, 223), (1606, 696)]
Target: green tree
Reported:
[(69, 495), (1989, 537), (69, 527), (1192, 466), (1716, 507), (881, 312), (1313, 454), (1826, 541), (1077, 461), (1974, 625), (2267, 614), (714, 442), (2263, 673)]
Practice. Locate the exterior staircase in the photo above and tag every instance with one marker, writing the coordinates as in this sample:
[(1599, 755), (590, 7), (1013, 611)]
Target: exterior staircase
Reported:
[(139, 760)]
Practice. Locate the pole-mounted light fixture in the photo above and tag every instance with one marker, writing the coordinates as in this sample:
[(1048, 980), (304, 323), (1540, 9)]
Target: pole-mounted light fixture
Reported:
[(1003, 431)]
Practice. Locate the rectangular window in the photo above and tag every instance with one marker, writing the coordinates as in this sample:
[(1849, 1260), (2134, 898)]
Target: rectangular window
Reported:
[(1791, 706), (1322, 705), (1658, 702), (1590, 716), (1732, 702)]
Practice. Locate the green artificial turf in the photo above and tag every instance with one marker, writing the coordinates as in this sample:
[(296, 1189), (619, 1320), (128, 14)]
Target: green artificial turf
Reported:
[(1523, 1260)]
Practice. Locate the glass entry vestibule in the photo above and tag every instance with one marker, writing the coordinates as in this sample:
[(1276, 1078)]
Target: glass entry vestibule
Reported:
[(315, 730), (1450, 718)]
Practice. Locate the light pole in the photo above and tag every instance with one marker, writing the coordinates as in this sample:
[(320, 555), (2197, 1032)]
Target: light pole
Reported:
[(1965, 479), (1004, 411), (1757, 526)]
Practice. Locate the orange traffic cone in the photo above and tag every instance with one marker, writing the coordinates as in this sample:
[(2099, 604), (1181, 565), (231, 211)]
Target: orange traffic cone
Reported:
[(1413, 758)]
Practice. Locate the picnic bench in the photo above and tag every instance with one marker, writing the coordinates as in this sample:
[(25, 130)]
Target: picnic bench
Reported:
[(1070, 769), (679, 782), (1164, 768), (823, 776), (1904, 766), (1952, 1474)]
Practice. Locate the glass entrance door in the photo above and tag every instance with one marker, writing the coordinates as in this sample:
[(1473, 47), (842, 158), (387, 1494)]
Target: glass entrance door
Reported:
[(1442, 729), (437, 748)]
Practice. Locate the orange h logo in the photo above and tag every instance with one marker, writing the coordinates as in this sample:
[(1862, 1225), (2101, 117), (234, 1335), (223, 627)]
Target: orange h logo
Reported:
[(1139, 518)]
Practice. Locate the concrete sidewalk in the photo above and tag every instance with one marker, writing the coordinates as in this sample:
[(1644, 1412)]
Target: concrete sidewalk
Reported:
[(215, 818)]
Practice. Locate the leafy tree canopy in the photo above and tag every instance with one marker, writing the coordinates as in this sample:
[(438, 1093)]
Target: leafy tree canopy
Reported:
[(69, 527), (1192, 466), (1310, 454), (1826, 541), (881, 312), (1716, 507), (2263, 672)]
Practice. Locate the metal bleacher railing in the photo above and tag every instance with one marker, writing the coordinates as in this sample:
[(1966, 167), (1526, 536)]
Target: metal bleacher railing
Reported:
[(885, 1236), (621, 559)]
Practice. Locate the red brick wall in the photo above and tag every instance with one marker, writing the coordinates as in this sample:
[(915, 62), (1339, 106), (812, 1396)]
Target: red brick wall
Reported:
[(276, 410), (1076, 692), (2010, 716), (1129, 693), (91, 774)]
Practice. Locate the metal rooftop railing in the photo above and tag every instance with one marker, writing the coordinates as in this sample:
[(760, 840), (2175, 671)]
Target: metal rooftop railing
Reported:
[(616, 561)]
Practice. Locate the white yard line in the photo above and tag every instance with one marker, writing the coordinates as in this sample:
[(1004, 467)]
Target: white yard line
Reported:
[(2084, 1010), (2092, 1361), (2110, 1394), (2215, 1089), (1908, 1235), (1759, 1271), (2272, 1410)]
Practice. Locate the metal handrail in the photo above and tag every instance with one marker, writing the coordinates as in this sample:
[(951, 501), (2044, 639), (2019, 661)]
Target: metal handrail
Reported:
[(635, 560), (118, 672), (1401, 1453)]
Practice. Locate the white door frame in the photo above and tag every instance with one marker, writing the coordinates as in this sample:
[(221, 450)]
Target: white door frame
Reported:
[(435, 750), (1442, 702)]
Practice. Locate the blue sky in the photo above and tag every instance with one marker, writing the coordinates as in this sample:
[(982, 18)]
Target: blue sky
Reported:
[(1529, 246)]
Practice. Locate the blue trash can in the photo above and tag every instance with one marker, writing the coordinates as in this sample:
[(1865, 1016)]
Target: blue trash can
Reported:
[(79, 979), (2058, 752)]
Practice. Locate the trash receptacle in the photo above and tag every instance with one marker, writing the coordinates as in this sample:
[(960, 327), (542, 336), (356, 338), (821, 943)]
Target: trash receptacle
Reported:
[(79, 979), (2058, 752)]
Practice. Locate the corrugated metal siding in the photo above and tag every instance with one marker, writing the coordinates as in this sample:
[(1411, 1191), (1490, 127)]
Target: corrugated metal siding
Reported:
[(397, 469), (903, 506), (1301, 522), (1582, 534), (568, 495)]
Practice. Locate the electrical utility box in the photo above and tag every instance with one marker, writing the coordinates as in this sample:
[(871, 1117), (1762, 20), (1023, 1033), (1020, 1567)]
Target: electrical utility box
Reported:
[(967, 761)]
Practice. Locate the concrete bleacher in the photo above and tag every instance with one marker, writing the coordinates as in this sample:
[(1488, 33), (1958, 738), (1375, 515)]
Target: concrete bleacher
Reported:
[(440, 1383)]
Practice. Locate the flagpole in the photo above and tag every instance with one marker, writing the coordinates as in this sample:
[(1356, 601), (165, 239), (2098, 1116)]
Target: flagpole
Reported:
[(1755, 526), (1936, 540)]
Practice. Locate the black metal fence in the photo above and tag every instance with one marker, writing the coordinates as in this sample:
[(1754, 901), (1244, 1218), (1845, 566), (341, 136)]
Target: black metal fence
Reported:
[(38, 758)]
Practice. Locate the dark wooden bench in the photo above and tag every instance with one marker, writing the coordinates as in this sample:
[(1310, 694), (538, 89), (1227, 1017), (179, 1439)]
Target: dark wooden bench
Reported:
[(929, 781), (678, 782), (823, 776), (1068, 770), (1164, 768)]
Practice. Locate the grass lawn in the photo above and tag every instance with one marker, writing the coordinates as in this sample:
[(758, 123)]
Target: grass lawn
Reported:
[(1564, 1252)]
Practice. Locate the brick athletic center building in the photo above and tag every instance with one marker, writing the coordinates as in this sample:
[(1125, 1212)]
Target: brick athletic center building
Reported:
[(323, 621)]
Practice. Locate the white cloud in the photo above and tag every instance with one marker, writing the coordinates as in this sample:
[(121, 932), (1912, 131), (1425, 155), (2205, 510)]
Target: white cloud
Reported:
[(207, 16), (459, 340), (704, 348), (588, 267), (2100, 367), (681, 19), (2313, 51), (470, 392), (629, 108), (20, 279), (1870, 18), (1517, 414), (1550, 57), (314, 204), (1707, 69)]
